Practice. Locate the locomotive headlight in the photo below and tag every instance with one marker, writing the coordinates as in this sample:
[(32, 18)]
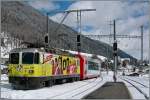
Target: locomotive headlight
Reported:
[(31, 71)]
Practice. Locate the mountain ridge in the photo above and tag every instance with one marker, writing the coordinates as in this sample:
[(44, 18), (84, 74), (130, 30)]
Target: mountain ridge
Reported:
[(23, 21)]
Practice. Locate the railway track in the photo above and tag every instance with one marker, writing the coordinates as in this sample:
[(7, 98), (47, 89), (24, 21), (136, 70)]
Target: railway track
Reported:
[(87, 88), (138, 82), (132, 82), (78, 90)]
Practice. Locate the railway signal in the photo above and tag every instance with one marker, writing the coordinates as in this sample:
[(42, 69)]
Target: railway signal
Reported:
[(115, 48), (78, 43), (78, 38), (46, 40)]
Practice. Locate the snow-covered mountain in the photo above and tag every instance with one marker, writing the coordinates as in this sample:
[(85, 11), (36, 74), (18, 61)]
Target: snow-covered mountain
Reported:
[(21, 20), (8, 43)]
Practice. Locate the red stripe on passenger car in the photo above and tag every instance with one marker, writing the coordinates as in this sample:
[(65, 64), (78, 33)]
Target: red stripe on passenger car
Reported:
[(81, 66)]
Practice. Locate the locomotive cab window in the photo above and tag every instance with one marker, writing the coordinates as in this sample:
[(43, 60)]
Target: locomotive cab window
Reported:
[(30, 58), (27, 58), (14, 58)]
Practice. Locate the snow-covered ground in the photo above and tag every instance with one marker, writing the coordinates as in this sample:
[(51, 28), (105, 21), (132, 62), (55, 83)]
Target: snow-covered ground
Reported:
[(140, 83), (4, 77), (75, 90), (3, 66)]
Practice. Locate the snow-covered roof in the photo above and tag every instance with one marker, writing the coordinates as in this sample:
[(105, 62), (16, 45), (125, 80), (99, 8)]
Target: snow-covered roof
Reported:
[(112, 61), (26, 50), (122, 59), (87, 54), (102, 57), (129, 67)]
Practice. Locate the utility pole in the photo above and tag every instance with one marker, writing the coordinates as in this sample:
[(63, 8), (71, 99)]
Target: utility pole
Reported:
[(110, 38), (149, 64), (107, 47), (149, 59), (142, 45), (78, 30), (0, 42), (46, 37), (0, 50), (47, 25), (115, 54), (114, 30)]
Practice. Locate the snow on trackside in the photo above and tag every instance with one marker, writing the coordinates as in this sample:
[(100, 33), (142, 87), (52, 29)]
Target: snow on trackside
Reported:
[(3, 66), (63, 91), (137, 81), (134, 92), (74, 90), (4, 77), (145, 75)]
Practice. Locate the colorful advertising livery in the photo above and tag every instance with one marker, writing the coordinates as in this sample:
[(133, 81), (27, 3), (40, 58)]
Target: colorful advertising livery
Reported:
[(62, 65), (32, 68)]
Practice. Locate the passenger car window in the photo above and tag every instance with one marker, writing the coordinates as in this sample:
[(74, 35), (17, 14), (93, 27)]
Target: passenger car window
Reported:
[(92, 66)]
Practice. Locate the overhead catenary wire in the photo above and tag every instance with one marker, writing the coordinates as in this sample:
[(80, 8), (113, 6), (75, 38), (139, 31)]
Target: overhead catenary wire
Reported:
[(122, 36), (66, 14)]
